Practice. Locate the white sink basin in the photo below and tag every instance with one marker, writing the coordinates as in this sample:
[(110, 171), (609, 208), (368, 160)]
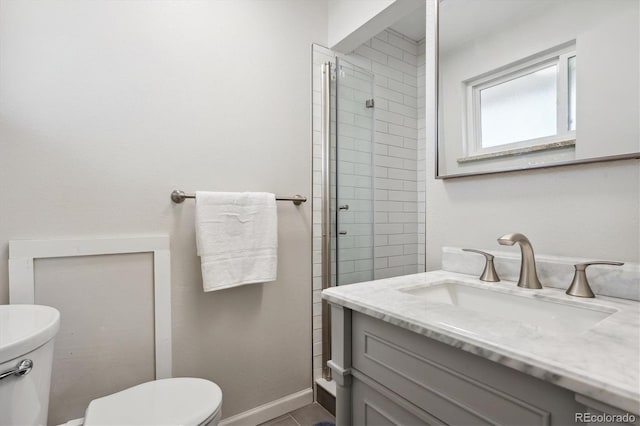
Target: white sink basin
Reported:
[(24, 328), (544, 313)]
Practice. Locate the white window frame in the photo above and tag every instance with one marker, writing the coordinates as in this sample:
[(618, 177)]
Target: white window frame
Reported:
[(557, 56)]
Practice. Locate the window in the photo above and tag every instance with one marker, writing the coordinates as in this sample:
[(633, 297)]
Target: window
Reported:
[(529, 106)]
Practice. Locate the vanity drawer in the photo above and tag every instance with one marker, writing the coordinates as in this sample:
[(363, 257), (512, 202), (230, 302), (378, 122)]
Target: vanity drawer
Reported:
[(374, 405), (454, 386)]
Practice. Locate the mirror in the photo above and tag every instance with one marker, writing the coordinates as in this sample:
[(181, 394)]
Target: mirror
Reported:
[(536, 83)]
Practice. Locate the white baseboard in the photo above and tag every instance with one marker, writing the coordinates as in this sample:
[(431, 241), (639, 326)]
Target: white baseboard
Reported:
[(271, 410)]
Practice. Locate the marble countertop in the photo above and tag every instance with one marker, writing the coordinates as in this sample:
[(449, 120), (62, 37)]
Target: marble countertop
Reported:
[(602, 362)]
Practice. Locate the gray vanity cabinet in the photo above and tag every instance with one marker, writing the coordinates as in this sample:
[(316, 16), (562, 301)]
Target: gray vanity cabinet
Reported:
[(387, 375)]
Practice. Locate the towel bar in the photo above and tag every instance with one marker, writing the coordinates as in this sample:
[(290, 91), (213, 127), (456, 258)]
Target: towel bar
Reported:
[(178, 197)]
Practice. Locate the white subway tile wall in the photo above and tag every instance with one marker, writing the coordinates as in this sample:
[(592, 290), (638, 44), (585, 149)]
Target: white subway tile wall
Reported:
[(355, 125), (398, 162), (393, 59)]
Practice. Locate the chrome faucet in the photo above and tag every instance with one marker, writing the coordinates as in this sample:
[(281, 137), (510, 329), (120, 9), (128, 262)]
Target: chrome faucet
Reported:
[(528, 276)]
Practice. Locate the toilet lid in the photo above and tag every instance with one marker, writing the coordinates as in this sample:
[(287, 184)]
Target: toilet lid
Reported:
[(177, 401)]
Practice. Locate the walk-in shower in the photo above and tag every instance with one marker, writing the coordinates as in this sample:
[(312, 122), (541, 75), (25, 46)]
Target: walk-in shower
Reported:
[(368, 161), (347, 181)]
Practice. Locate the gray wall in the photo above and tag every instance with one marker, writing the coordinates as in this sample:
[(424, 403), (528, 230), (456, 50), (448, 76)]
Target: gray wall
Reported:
[(107, 106), (106, 303), (587, 211)]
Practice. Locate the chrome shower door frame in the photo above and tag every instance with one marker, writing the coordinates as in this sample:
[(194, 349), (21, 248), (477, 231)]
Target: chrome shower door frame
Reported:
[(326, 214)]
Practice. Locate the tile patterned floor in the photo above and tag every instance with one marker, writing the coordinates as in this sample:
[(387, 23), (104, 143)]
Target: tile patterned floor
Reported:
[(305, 416)]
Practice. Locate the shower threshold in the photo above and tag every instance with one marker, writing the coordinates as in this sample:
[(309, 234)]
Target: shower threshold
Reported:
[(326, 394)]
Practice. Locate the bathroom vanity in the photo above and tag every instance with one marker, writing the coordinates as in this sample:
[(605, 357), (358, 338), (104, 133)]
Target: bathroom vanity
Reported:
[(446, 348)]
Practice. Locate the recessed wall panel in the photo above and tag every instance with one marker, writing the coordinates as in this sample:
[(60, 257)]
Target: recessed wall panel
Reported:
[(106, 338)]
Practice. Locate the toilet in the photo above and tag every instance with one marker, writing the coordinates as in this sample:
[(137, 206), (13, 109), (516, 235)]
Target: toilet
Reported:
[(27, 333), (177, 401)]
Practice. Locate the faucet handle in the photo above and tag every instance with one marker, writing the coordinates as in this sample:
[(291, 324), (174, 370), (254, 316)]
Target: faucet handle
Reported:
[(580, 285), (489, 273)]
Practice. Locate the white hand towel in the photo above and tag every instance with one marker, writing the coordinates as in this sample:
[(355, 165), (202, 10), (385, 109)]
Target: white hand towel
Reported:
[(237, 238)]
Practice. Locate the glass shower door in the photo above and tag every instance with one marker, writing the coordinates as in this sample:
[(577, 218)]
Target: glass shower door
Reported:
[(353, 208)]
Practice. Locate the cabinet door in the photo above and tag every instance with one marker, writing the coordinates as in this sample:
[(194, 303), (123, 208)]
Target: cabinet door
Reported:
[(375, 406), (457, 387)]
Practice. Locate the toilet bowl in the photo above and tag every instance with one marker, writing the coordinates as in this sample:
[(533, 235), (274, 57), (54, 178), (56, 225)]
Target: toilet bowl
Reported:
[(177, 401)]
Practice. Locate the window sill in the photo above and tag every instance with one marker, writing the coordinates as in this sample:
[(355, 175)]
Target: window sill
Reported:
[(518, 151)]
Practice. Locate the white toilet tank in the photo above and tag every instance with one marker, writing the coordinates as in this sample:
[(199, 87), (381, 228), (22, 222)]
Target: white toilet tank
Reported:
[(26, 334)]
